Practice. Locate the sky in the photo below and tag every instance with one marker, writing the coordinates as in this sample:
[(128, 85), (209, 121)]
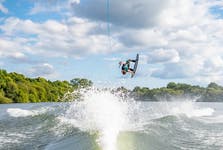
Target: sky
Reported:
[(177, 40)]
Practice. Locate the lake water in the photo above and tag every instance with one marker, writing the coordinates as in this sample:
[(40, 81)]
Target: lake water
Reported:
[(104, 121)]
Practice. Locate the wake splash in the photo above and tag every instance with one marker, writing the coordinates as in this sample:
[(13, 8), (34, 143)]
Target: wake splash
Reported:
[(18, 112), (191, 110), (114, 118), (108, 120), (102, 113)]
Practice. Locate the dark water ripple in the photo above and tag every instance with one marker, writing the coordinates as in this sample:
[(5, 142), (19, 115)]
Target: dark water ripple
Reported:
[(44, 131)]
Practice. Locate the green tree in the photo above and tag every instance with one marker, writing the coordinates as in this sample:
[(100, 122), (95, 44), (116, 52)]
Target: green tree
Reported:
[(214, 85), (172, 85), (81, 83), (22, 97), (11, 90), (4, 100)]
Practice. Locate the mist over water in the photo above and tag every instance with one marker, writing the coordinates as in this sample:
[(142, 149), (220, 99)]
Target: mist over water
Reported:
[(106, 120), (101, 112)]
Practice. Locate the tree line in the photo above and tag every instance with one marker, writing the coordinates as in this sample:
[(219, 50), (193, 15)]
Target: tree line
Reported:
[(16, 88), (177, 91)]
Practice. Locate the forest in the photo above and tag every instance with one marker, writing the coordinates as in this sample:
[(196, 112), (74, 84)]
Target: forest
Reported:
[(16, 88), (180, 91)]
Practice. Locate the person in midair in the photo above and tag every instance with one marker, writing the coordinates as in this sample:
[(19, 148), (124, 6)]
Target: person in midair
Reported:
[(126, 67)]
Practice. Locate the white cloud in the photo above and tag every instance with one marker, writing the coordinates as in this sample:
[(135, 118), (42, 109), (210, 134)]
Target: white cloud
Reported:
[(54, 38), (131, 13), (142, 38), (42, 70), (191, 34), (163, 56), (18, 56), (182, 36), (9, 47), (213, 66), (207, 79), (16, 50), (2, 8), (42, 6), (184, 13), (143, 59), (197, 68)]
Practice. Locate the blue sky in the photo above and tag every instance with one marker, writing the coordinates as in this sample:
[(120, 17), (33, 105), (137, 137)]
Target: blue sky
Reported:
[(179, 41)]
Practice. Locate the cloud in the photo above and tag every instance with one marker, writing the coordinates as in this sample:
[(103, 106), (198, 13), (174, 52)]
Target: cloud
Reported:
[(45, 6), (170, 71), (163, 56), (43, 70), (196, 68), (131, 13), (213, 66), (191, 34), (16, 50), (72, 38), (8, 47), (2, 8), (142, 38), (18, 56), (183, 37)]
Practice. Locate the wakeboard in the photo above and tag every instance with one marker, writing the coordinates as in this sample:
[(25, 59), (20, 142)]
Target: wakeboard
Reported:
[(135, 65)]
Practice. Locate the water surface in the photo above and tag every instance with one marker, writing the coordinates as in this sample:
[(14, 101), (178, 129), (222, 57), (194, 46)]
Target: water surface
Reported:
[(103, 121)]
